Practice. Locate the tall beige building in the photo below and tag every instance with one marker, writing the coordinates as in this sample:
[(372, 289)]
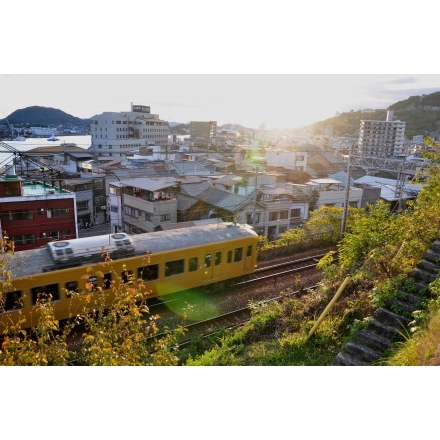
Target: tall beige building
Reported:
[(382, 138), (202, 133), (115, 134)]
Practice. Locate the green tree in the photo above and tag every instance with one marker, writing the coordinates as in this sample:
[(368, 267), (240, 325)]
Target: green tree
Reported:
[(123, 333)]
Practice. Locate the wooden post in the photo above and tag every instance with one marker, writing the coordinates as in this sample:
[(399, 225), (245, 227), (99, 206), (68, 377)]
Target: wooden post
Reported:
[(329, 306)]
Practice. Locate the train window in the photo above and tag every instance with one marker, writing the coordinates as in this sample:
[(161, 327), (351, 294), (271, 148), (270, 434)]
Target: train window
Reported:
[(44, 292), (208, 258), (94, 281), (69, 251), (218, 258), (229, 256), (148, 273), (175, 267), (193, 264), (127, 276), (12, 301), (71, 286), (249, 251), (107, 281), (238, 255)]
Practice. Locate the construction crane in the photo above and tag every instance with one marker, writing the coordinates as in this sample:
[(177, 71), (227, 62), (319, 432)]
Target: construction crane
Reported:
[(48, 172)]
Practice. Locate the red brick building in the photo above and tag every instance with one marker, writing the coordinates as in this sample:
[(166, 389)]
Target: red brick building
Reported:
[(34, 213)]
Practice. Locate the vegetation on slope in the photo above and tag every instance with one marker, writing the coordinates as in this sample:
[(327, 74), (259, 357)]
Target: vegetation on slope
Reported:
[(378, 251), (421, 114)]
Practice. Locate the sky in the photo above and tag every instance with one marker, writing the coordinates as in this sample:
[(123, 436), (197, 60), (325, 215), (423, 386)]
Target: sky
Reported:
[(284, 67), (279, 101)]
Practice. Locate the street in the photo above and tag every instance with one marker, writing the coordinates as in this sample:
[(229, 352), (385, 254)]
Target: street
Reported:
[(102, 229)]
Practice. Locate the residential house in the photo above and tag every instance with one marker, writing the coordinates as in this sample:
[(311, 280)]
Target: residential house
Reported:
[(322, 164), (331, 192), (142, 204)]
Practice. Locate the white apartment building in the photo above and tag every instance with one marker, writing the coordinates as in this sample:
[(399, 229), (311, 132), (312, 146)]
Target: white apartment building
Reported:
[(382, 138), (116, 134)]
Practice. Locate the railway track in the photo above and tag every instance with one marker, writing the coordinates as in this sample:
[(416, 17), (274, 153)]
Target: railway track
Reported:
[(231, 307), (209, 312), (270, 274)]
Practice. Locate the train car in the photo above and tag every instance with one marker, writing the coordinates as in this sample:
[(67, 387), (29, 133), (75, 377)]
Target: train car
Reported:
[(165, 261)]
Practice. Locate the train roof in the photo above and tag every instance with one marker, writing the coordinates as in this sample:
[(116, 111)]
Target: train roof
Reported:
[(35, 260)]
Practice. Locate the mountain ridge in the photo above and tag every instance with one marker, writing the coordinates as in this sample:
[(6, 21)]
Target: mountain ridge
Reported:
[(420, 112), (38, 115)]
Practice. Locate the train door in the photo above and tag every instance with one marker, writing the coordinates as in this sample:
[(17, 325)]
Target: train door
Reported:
[(213, 265), (217, 265), (207, 268), (249, 258)]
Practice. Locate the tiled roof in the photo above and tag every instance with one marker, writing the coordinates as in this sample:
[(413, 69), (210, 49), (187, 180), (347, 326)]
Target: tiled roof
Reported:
[(195, 189), (223, 199)]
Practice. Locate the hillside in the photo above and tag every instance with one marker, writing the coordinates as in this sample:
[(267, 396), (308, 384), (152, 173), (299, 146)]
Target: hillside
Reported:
[(421, 114), (42, 116)]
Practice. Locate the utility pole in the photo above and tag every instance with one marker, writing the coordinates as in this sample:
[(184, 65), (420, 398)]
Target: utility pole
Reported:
[(254, 215), (347, 194)]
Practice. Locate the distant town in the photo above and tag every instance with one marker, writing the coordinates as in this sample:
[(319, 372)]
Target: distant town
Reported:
[(143, 174)]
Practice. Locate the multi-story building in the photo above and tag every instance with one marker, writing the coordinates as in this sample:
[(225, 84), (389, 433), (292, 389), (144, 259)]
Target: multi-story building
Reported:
[(91, 199), (115, 134), (382, 138), (34, 213), (202, 133), (142, 204)]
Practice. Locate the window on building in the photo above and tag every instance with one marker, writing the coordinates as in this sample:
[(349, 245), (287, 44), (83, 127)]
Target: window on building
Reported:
[(17, 215), (273, 216), (82, 206), (295, 213), (98, 183), (284, 215), (23, 239), (250, 218), (57, 212), (100, 200), (165, 217)]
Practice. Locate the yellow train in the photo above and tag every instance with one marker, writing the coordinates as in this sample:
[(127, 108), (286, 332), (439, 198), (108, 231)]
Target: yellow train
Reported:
[(165, 261)]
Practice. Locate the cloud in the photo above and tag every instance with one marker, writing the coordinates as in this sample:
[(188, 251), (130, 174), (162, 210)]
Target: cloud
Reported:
[(405, 80)]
